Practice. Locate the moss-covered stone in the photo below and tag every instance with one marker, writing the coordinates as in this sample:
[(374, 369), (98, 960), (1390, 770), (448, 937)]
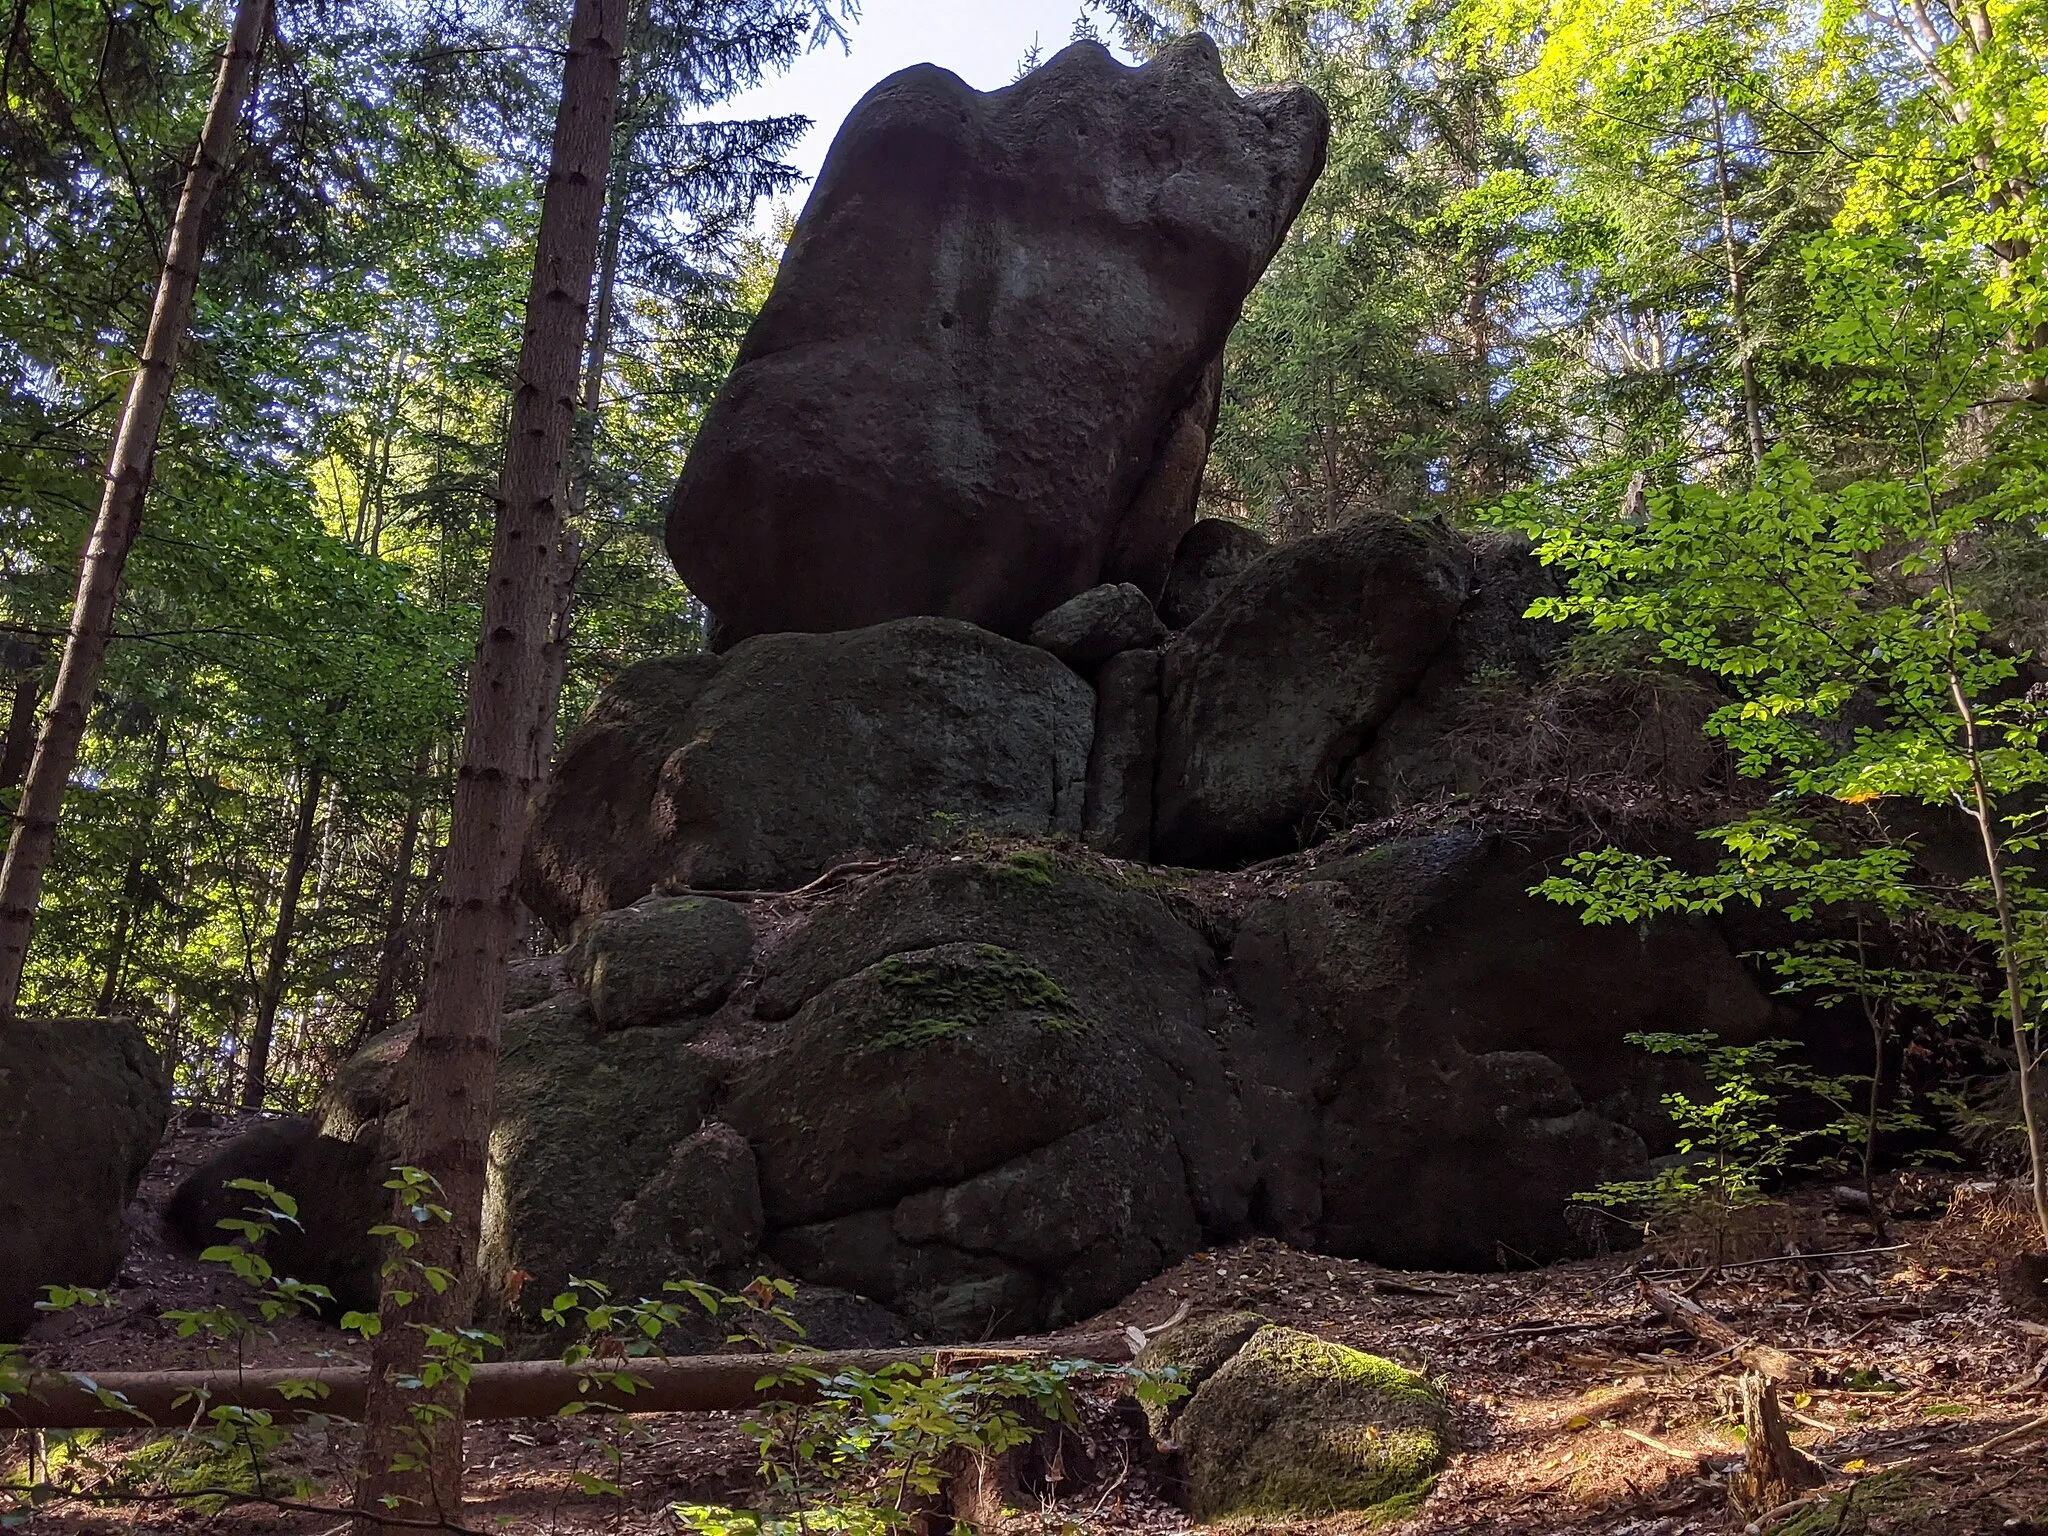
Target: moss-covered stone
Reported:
[(1293, 1425), (1193, 1352), (938, 993)]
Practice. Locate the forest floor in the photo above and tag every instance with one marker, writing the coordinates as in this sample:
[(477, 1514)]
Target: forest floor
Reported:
[(1579, 1409)]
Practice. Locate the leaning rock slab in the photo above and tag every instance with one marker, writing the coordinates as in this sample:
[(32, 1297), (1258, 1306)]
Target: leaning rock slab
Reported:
[(983, 380), (83, 1104), (1270, 695)]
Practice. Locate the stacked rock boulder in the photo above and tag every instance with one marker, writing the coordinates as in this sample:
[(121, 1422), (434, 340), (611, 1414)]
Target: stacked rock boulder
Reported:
[(991, 924)]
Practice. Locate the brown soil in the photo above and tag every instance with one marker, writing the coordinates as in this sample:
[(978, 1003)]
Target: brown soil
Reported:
[(1580, 1410)]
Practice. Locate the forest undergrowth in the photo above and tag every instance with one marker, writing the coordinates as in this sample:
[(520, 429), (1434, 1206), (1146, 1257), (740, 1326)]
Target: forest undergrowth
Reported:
[(1580, 1406)]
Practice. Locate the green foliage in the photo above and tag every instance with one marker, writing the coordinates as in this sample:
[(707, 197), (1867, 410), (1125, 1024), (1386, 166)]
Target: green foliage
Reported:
[(1734, 1146)]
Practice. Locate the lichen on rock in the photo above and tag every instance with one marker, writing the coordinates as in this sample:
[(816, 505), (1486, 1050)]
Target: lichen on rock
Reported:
[(1295, 1426)]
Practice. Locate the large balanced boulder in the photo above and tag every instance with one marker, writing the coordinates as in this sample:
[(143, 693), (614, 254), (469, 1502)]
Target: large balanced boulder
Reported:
[(761, 768), (83, 1104), (984, 379), (1291, 1426), (1269, 696)]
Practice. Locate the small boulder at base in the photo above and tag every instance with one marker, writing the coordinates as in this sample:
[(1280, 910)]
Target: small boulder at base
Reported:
[(338, 1187), (1102, 622), (663, 960), (1209, 557), (983, 381), (1293, 1426), (83, 1103), (1193, 1351)]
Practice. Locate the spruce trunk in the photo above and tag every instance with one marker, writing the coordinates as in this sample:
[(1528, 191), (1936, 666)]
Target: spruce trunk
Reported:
[(113, 533), (412, 1439), (256, 1075)]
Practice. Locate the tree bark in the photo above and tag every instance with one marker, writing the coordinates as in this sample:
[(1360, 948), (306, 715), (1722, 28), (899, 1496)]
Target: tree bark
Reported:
[(138, 865), (398, 907), (413, 1438), (1738, 298), (20, 743), (1773, 1470), (129, 467), (256, 1071)]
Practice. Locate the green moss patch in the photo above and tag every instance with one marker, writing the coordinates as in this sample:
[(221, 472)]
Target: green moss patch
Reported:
[(936, 994), (1295, 1426)]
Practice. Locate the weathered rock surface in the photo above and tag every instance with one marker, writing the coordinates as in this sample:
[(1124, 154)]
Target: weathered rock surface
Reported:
[(83, 1103), (700, 1215), (1116, 817), (665, 959), (795, 750), (995, 1090), (1210, 556), (1449, 1026), (1086, 631), (594, 845), (1291, 1425), (340, 1189), (1269, 696), (983, 380)]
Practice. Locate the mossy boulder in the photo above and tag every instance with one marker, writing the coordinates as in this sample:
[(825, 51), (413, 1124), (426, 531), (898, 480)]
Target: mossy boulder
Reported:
[(1295, 1426), (1193, 1352)]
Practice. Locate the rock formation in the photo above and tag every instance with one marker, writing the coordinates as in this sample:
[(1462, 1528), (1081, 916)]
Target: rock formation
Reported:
[(83, 1103), (986, 375), (971, 982)]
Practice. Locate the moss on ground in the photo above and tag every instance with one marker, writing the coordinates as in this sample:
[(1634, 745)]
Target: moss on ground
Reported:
[(936, 995), (1293, 1425)]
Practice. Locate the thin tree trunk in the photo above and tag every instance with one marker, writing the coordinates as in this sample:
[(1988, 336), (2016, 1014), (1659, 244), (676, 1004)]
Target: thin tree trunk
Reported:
[(1738, 297), (128, 472), (2024, 1054), (391, 953), (20, 743), (413, 1438), (256, 1072), (138, 862)]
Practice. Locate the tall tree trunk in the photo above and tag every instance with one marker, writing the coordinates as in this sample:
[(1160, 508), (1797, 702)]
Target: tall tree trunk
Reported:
[(397, 907), (256, 1071), (128, 471), (138, 863), (1738, 297), (19, 745), (413, 1438)]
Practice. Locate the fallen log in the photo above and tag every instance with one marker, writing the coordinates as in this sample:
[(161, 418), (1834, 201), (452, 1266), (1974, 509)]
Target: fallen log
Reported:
[(1685, 1313), (511, 1389)]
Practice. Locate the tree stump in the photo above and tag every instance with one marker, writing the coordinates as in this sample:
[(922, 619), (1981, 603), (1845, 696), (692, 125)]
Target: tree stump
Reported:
[(1773, 1470)]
